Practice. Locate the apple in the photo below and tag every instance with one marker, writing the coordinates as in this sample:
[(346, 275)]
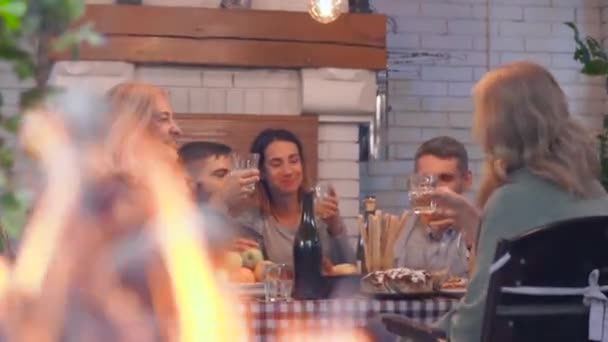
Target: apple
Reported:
[(233, 261), (251, 257)]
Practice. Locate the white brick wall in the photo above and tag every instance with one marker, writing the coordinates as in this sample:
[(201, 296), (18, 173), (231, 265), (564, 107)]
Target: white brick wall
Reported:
[(442, 47), (233, 91), (338, 164)]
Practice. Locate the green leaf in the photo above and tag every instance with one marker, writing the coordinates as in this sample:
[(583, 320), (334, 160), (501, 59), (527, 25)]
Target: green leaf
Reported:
[(12, 123), (32, 97), (595, 67), (24, 68), (9, 201), (581, 53), (11, 13), (73, 38), (6, 158), (589, 53), (14, 205)]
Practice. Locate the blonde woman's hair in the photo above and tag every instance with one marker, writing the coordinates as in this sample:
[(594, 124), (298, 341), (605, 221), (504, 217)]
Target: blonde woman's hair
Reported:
[(132, 106), (521, 119)]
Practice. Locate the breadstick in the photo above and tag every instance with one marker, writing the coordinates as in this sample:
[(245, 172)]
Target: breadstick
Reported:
[(391, 238), (402, 223), (384, 234), (376, 241), (364, 236)]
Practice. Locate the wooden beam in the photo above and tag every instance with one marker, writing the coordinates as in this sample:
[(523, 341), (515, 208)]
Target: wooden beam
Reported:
[(349, 29), (244, 38), (245, 53)]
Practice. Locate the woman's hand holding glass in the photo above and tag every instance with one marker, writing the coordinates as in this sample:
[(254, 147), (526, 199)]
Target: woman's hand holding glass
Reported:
[(326, 207), (454, 210)]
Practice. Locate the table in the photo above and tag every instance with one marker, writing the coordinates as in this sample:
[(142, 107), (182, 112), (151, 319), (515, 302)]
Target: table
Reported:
[(267, 321)]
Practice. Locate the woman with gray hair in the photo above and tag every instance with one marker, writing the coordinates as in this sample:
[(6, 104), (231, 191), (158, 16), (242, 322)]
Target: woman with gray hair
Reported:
[(541, 166)]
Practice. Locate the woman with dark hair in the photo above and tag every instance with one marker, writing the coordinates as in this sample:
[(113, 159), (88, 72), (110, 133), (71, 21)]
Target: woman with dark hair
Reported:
[(277, 216)]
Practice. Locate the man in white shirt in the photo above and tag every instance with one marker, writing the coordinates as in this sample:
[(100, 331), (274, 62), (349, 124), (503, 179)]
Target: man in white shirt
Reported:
[(216, 187), (443, 243)]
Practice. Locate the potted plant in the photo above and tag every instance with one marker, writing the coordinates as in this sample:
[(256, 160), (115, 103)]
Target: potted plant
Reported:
[(594, 62), (30, 30)]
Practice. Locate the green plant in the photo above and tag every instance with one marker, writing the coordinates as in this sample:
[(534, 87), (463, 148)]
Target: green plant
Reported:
[(30, 30), (594, 62)]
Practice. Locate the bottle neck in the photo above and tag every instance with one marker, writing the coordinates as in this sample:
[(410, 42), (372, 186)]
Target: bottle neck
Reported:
[(369, 205), (308, 217)]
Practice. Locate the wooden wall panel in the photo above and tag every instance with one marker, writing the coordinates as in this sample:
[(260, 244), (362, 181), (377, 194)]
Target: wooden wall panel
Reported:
[(239, 130)]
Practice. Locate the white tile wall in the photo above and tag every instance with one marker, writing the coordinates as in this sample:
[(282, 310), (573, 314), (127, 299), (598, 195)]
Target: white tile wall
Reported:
[(233, 91), (430, 96), (338, 165)]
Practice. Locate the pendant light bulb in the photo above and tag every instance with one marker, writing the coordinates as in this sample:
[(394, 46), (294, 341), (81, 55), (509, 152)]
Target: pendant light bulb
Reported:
[(325, 11)]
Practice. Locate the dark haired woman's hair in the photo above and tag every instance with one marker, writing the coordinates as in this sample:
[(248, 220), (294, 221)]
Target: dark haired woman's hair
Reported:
[(259, 145)]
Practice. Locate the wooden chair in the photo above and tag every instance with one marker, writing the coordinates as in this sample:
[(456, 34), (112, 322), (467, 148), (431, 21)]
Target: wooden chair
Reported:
[(561, 254)]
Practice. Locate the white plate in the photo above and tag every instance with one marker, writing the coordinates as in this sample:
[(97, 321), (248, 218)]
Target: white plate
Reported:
[(247, 286), (454, 291), (253, 289)]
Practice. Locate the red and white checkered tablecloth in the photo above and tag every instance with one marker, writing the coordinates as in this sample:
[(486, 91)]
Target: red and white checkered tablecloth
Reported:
[(268, 321)]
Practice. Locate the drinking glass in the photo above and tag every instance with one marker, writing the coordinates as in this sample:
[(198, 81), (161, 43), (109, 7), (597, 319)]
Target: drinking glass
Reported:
[(245, 161), (322, 191), (278, 282), (420, 190)]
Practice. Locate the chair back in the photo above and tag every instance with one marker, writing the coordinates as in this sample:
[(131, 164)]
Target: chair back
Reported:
[(560, 254)]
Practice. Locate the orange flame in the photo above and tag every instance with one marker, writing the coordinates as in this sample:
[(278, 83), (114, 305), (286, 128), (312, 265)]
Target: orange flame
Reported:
[(46, 138), (204, 312)]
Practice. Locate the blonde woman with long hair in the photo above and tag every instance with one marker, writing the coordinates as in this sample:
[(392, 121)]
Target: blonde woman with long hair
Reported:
[(139, 114), (541, 166)]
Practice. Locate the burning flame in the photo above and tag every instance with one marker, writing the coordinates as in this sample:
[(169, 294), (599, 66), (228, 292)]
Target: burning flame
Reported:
[(68, 280), (66, 248), (327, 335), (205, 313), (46, 138)]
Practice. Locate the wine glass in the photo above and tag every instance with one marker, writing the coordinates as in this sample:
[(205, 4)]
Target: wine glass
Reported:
[(321, 193), (245, 161)]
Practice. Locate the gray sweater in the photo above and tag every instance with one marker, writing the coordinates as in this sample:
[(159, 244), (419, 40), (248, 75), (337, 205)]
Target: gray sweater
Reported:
[(277, 239), (525, 202)]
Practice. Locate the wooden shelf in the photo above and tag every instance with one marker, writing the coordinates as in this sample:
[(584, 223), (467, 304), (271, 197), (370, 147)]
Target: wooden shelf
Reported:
[(241, 38)]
